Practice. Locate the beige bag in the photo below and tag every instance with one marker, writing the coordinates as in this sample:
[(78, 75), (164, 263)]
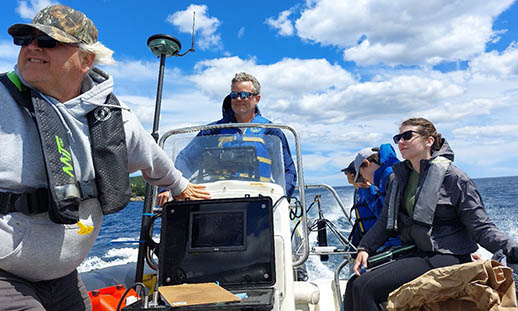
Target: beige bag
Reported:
[(480, 285)]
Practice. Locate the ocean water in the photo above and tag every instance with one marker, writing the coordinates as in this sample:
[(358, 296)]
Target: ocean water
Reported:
[(117, 241)]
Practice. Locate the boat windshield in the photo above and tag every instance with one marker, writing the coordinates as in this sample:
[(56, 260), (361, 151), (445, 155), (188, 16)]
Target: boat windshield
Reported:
[(204, 159)]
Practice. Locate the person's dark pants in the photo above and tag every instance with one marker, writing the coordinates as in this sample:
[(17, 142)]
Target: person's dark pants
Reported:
[(66, 293), (367, 291)]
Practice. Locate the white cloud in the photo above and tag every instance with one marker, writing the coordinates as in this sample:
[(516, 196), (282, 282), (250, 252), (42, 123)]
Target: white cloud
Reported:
[(28, 9), (282, 81), (241, 32), (485, 157), (213, 76), (8, 51), (133, 70), (491, 134), (282, 23), (391, 97), (138, 70), (8, 55), (205, 27), (5, 66), (452, 112), (495, 64), (142, 107), (402, 32), (315, 161)]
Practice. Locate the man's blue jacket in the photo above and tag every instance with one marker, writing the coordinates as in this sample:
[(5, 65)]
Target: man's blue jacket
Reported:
[(190, 153)]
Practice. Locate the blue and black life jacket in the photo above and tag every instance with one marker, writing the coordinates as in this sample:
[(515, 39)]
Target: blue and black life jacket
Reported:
[(250, 137), (364, 213)]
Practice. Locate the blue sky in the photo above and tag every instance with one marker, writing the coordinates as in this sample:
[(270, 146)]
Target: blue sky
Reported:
[(344, 73)]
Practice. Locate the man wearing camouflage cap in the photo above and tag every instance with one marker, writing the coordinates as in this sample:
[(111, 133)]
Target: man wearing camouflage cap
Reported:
[(68, 147)]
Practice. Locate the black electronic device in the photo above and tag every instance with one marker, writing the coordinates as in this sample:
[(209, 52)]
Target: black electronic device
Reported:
[(217, 231), (229, 241)]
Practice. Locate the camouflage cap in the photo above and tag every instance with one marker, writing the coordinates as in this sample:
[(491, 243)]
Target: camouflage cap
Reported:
[(61, 23)]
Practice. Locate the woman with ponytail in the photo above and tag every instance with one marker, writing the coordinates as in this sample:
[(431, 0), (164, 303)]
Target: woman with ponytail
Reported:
[(431, 203)]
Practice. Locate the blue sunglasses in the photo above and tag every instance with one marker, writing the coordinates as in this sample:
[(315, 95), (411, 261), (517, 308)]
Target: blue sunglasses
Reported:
[(242, 95)]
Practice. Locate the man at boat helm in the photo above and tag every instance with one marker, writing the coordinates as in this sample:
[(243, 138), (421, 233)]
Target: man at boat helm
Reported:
[(240, 106), (68, 146)]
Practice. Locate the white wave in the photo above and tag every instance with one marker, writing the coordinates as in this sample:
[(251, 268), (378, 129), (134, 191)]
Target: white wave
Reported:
[(317, 269), (126, 252), (113, 257)]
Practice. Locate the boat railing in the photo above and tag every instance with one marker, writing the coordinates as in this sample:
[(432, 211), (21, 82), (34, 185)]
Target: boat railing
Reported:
[(348, 250), (335, 196), (300, 260)]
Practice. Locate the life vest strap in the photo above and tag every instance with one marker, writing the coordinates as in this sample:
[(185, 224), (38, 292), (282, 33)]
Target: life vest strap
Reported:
[(28, 203), (57, 154)]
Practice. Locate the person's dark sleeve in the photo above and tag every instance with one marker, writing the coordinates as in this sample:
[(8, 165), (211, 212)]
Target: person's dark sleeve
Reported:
[(473, 215), (290, 173)]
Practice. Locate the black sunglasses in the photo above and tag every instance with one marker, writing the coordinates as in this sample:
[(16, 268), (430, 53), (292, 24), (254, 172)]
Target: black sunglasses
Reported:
[(405, 135), (242, 95), (43, 41)]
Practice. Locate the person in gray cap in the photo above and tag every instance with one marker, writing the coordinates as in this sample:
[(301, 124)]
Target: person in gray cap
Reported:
[(68, 146), (373, 166), (364, 200)]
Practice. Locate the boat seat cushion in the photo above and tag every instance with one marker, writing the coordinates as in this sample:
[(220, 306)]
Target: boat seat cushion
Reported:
[(306, 293)]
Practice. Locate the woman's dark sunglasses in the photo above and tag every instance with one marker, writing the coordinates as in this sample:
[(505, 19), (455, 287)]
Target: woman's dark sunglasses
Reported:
[(43, 41), (242, 95), (405, 135)]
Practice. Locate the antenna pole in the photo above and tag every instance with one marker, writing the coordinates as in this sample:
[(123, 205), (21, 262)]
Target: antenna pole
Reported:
[(161, 45), (150, 192)]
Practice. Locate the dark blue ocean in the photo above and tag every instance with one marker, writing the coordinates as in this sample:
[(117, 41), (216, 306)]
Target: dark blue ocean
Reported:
[(116, 243)]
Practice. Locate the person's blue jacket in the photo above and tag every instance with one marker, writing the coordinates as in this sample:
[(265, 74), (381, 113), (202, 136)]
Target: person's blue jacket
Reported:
[(188, 156), (387, 158)]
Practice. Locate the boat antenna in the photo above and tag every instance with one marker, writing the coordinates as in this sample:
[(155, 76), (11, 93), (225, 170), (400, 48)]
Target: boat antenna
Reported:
[(192, 37), (161, 45)]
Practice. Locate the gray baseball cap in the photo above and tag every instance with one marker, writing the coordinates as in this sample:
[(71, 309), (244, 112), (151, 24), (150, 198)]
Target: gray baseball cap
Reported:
[(362, 155)]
